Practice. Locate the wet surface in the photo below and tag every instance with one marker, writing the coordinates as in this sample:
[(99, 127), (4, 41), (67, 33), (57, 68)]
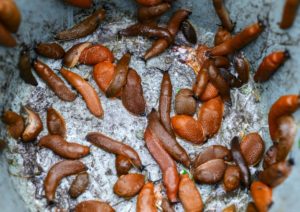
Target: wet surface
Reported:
[(28, 165)]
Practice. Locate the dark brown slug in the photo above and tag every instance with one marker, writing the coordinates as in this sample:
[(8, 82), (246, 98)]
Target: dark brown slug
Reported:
[(83, 28), (168, 142), (56, 123), (120, 76), (240, 161), (72, 56), (55, 83), (219, 82), (189, 32), (223, 14), (165, 102), (165, 162), (63, 148), (50, 50), (201, 82), (132, 94), (232, 178), (79, 185), (24, 66), (123, 165), (242, 67), (80, 3), (57, 172), (212, 152), (15, 124), (148, 14), (210, 172), (185, 103), (115, 147), (147, 30), (174, 23)]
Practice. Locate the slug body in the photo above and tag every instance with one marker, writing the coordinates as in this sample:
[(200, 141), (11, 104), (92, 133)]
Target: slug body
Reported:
[(10, 16), (238, 41), (289, 13), (6, 39), (148, 14), (147, 30), (165, 102), (115, 147), (185, 103), (223, 14), (34, 125), (15, 124), (80, 3), (120, 76), (95, 54), (212, 152), (189, 195), (210, 172), (270, 65), (165, 162), (168, 142), (79, 185), (240, 161), (56, 123), (161, 45), (146, 199), (129, 185), (132, 94), (55, 83), (188, 128), (262, 196), (285, 105), (84, 28), (63, 148), (252, 147), (50, 50), (93, 205), (57, 172), (210, 116), (88, 93), (24, 66), (103, 74), (123, 165)]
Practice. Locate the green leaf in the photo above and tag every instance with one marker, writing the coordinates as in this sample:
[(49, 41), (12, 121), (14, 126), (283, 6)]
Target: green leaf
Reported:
[(299, 143), (184, 172)]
